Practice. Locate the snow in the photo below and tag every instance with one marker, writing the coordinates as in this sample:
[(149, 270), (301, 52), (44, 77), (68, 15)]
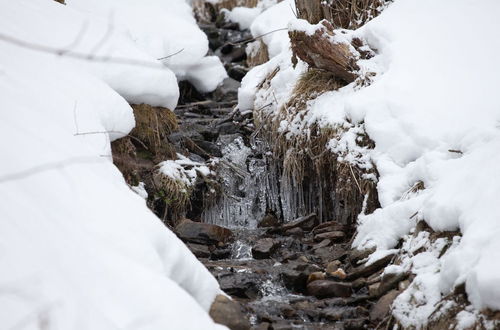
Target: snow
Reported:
[(78, 248), (245, 16), (184, 170), (433, 114), (165, 30)]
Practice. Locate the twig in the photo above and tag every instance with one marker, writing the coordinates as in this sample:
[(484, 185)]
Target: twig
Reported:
[(355, 179), (254, 38), (79, 55), (168, 56)]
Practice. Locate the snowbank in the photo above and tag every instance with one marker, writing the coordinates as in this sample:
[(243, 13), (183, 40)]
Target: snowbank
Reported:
[(434, 117), (165, 30), (79, 249)]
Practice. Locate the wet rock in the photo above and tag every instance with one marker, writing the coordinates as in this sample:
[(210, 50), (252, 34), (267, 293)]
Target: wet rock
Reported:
[(359, 283), (264, 247), (294, 280), (334, 236), (328, 289), (228, 312), (364, 271), (269, 220), (221, 253), (237, 72), (240, 284), (383, 306), (202, 233), (342, 313), (199, 250)]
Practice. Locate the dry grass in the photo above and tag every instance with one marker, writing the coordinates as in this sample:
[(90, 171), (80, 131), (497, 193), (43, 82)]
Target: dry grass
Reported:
[(175, 193), (153, 125)]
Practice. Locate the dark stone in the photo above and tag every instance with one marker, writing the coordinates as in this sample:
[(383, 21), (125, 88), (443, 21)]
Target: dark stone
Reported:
[(242, 285), (221, 253), (294, 280), (357, 255), (203, 233), (295, 232), (227, 91), (237, 72), (328, 289), (228, 128), (210, 148), (390, 281), (228, 312), (264, 247), (199, 250)]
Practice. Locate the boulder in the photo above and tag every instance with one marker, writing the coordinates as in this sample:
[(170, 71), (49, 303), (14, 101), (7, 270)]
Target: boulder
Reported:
[(329, 289), (228, 312), (202, 233), (269, 220), (264, 247)]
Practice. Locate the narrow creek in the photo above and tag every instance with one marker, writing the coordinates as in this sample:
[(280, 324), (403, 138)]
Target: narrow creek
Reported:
[(298, 274)]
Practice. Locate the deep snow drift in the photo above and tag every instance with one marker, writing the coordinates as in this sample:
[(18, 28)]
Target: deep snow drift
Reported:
[(433, 113), (78, 248)]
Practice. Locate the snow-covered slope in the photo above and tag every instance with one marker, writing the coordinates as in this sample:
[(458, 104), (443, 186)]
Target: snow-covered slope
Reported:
[(78, 248), (433, 113)]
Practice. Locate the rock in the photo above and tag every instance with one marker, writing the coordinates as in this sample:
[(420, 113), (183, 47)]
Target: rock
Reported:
[(262, 326), (316, 276), (199, 250), (221, 253), (364, 271), (355, 324), (373, 289), (237, 72), (357, 255), (307, 222), (228, 312), (338, 274), (323, 243), (227, 91), (334, 236), (269, 220), (328, 289), (294, 280), (359, 283), (264, 247), (390, 281), (329, 226), (242, 285), (333, 266), (383, 306), (295, 232), (203, 233)]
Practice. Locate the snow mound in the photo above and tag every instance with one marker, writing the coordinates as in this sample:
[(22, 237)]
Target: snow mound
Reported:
[(165, 30), (79, 249)]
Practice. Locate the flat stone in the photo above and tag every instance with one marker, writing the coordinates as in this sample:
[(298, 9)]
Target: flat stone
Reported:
[(333, 266), (264, 247), (316, 276), (329, 226), (322, 244), (307, 222), (202, 233), (329, 289), (334, 236), (228, 312)]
